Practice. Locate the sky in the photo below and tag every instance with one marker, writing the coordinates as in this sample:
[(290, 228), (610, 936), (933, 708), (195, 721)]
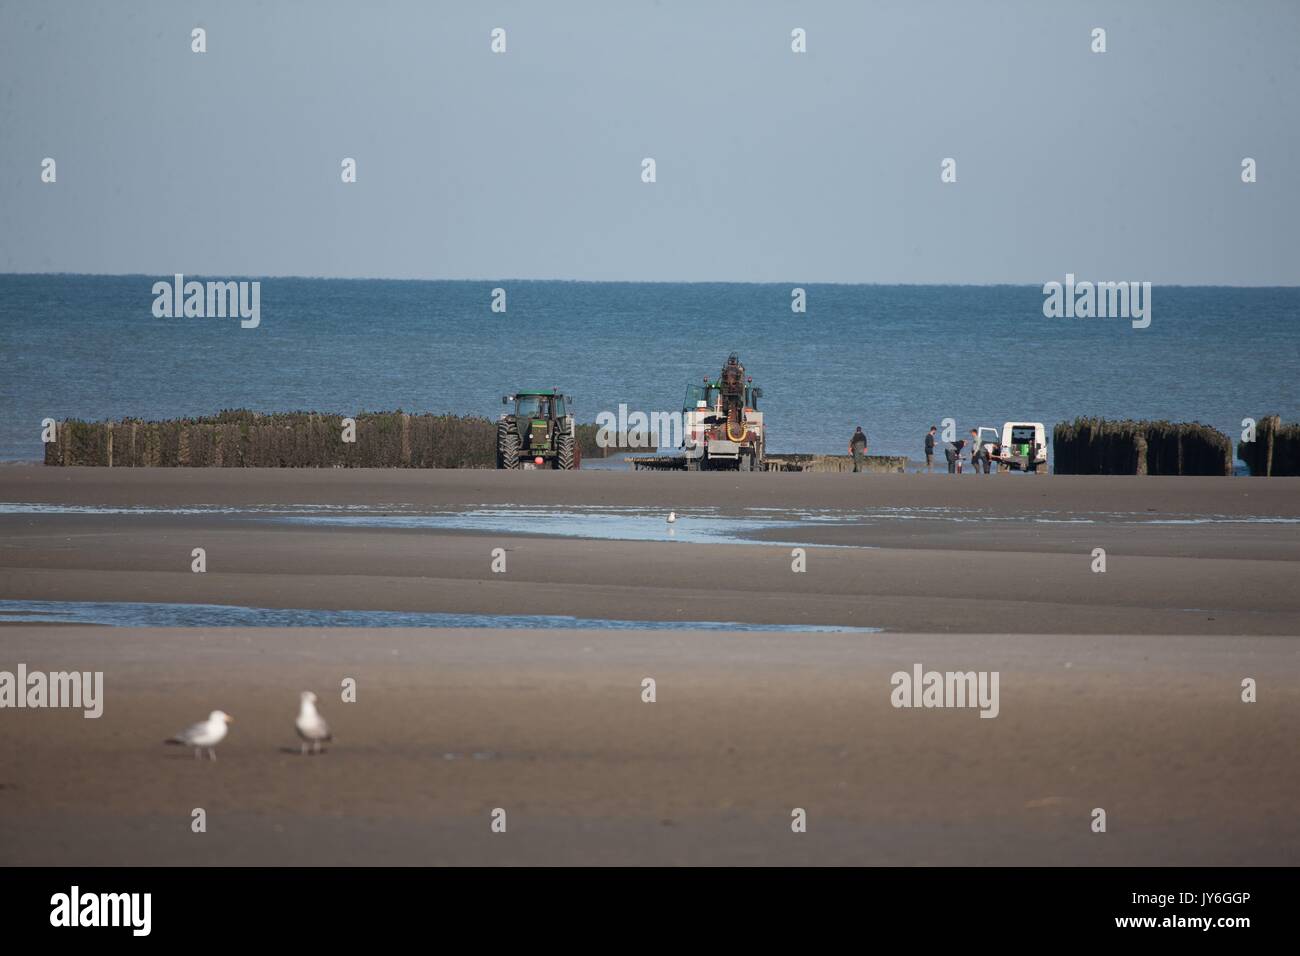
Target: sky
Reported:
[(771, 166)]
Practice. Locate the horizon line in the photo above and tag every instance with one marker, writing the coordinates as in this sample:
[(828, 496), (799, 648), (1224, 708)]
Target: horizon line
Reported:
[(773, 282)]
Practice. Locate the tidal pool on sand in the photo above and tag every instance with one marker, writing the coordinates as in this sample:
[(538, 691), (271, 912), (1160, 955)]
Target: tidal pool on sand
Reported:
[(702, 525), (144, 614)]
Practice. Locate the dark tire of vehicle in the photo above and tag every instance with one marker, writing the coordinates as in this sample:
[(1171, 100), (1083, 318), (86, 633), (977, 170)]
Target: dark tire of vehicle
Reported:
[(564, 459), (507, 446)]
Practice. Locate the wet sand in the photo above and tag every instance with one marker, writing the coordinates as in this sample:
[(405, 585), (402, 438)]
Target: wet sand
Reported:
[(1118, 690), (248, 486), (999, 569)]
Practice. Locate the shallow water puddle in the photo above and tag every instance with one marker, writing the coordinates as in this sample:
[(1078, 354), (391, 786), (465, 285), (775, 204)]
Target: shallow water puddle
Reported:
[(603, 522), (621, 525), (143, 614), (700, 526)]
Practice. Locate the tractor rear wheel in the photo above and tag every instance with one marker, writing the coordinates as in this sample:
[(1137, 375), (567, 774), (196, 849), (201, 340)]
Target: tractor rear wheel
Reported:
[(564, 453), (507, 446)]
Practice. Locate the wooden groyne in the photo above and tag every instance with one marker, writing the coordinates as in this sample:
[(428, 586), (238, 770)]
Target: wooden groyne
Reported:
[(874, 464), (1094, 446), (624, 442), (1275, 452), (244, 439)]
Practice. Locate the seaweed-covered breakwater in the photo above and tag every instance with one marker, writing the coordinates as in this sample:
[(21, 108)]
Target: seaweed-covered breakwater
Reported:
[(1275, 452), (1095, 446), (245, 439)]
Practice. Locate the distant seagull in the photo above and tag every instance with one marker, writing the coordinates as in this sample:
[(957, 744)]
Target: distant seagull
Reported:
[(204, 735), (672, 517), (311, 725)]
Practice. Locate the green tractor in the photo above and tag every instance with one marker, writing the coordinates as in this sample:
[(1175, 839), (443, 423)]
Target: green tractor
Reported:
[(539, 433)]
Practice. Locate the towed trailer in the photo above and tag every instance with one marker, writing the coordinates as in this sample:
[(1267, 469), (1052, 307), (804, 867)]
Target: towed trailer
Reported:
[(658, 462), (880, 464)]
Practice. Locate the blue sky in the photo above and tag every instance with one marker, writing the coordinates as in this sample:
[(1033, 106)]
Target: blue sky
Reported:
[(771, 165)]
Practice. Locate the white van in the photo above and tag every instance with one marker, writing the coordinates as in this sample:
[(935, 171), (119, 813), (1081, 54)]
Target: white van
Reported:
[(1022, 446)]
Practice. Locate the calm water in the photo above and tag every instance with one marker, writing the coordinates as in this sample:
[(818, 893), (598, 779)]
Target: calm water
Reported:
[(895, 359), (144, 614)]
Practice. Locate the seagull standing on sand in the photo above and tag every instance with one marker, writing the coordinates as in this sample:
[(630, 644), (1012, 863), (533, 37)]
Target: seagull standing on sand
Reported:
[(206, 734), (311, 725)]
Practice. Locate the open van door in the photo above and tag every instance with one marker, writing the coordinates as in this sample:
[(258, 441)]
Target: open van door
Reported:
[(1023, 447)]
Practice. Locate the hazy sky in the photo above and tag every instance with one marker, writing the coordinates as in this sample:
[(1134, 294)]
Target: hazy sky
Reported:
[(771, 165)]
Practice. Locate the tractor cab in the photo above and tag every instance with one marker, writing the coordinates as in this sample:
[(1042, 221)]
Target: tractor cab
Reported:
[(544, 406)]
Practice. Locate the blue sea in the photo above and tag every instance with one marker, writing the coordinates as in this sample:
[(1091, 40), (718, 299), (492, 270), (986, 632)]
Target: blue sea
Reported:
[(894, 359)]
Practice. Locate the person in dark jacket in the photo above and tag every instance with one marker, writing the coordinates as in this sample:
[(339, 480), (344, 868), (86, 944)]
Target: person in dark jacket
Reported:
[(858, 448), (952, 451), (929, 449)]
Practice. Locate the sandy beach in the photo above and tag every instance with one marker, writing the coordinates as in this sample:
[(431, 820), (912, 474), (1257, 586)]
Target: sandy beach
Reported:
[(1118, 690), (449, 725)]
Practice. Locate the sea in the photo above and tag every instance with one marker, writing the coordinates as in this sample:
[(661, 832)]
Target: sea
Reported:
[(893, 359)]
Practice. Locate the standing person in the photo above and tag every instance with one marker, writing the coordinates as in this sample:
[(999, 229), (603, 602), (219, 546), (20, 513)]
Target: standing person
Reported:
[(858, 448), (929, 449), (977, 452)]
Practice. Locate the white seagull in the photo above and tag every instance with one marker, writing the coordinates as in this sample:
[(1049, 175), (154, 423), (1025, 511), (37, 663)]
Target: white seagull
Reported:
[(672, 517), (311, 725), (206, 734)]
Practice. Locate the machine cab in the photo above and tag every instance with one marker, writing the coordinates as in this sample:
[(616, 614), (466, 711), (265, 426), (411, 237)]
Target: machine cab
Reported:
[(709, 396), (538, 405)]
